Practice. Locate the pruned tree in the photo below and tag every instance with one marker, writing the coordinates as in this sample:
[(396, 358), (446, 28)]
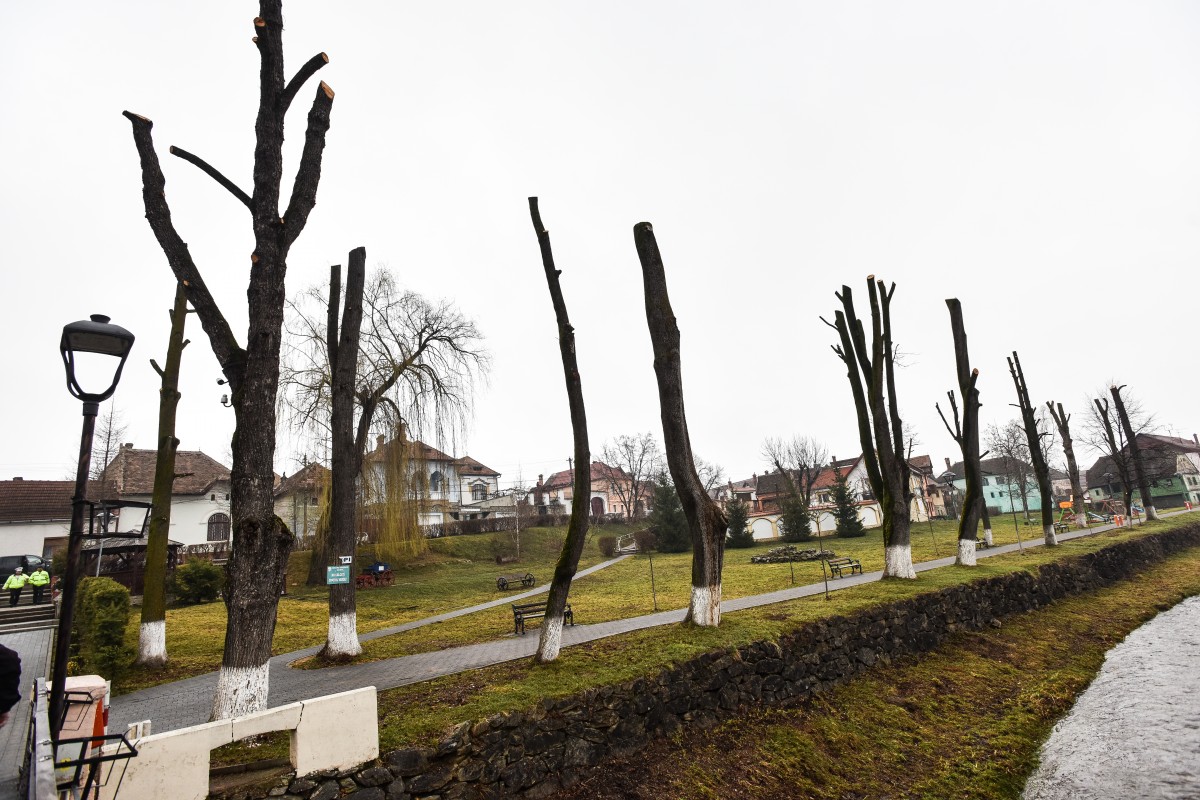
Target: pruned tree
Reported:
[(871, 372), (1135, 453), (342, 346), (640, 458), (550, 641), (152, 633), (1106, 435), (706, 521), (417, 363), (966, 435), (1062, 420), (261, 541), (1037, 448)]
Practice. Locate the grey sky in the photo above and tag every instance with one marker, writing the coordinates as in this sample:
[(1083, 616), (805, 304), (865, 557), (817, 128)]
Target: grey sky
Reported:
[(1015, 155)]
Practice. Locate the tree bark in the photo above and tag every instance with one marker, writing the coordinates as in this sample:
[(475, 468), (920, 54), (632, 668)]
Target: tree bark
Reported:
[(1135, 454), (967, 437), (261, 541), (550, 641), (1119, 459), (342, 343), (1063, 420), (706, 522), (152, 635), (871, 372), (1037, 453)]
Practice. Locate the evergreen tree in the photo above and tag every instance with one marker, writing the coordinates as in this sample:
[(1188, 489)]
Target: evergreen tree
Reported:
[(797, 526), (667, 519), (845, 509), (739, 532)]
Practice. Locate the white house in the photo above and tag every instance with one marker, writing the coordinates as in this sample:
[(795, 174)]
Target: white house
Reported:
[(35, 516), (450, 488)]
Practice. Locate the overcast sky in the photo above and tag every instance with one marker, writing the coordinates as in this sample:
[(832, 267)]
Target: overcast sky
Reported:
[(1039, 161)]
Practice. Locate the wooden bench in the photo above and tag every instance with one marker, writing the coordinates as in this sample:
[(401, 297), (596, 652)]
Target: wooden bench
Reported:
[(506, 581), (524, 611), (837, 566), (1061, 527), (981, 544)]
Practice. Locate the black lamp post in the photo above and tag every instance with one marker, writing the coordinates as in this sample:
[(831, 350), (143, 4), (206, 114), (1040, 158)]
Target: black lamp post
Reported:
[(98, 336)]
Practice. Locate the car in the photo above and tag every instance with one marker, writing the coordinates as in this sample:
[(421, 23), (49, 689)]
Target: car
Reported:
[(28, 563)]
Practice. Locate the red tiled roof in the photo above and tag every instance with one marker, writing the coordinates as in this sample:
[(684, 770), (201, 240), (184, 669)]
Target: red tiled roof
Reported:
[(132, 471), (312, 477), (40, 501), (469, 466), (415, 449), (600, 471)]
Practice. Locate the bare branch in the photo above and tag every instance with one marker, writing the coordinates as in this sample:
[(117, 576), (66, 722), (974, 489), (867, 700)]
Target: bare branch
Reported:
[(308, 175), (307, 71), (213, 173)]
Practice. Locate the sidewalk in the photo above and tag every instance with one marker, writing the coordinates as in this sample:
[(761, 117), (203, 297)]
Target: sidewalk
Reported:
[(188, 702), (34, 649)]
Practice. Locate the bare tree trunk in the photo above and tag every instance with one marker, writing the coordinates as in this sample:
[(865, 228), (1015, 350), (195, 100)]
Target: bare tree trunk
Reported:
[(261, 541), (1037, 453), (706, 522), (342, 639), (152, 635), (1119, 459), (880, 429), (1139, 468), (1062, 419), (550, 641), (967, 437)]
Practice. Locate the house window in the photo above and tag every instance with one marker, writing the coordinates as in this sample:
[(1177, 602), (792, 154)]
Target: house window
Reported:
[(479, 491), (312, 501), (435, 482), (985, 481), (218, 528)]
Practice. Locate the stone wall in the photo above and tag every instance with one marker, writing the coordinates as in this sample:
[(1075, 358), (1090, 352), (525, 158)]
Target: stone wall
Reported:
[(534, 753)]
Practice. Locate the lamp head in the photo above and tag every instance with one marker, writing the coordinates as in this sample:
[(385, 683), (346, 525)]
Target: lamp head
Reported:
[(96, 335)]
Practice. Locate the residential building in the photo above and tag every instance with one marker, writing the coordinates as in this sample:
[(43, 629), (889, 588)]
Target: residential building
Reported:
[(299, 499), (1002, 491), (447, 487), (35, 516), (612, 492), (1172, 470)]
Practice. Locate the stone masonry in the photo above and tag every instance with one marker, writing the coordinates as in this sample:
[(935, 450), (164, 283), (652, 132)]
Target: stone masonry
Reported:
[(534, 753)]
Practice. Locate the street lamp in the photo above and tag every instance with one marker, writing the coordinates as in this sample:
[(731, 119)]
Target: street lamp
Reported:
[(96, 336)]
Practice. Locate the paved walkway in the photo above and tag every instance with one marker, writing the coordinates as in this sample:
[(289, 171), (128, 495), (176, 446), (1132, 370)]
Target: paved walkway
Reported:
[(34, 649), (188, 702)]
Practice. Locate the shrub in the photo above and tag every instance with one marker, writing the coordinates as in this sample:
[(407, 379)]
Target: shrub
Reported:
[(646, 540), (795, 521), (845, 509), (607, 545), (197, 581), (739, 534), (667, 519), (101, 617)]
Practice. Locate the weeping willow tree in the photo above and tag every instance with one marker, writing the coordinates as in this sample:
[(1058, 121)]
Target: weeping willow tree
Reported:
[(395, 492)]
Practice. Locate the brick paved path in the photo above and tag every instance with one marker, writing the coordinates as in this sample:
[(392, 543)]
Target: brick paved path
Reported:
[(34, 648), (188, 702)]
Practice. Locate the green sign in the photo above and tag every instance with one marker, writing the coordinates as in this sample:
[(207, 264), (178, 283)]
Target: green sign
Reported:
[(337, 575)]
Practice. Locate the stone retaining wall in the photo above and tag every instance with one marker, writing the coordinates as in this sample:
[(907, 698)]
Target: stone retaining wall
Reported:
[(534, 753)]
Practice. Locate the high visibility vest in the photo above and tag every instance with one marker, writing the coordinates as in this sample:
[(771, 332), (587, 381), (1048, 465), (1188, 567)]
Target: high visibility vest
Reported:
[(40, 578), (16, 581)]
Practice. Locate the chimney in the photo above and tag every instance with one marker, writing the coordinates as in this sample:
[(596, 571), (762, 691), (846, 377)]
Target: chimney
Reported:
[(18, 478), (1196, 439), (379, 442), (947, 465), (129, 445)]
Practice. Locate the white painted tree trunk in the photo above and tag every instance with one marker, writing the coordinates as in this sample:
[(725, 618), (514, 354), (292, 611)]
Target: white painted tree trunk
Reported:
[(966, 553), (550, 642), (897, 562), (987, 536), (705, 609), (1081, 520), (152, 643), (240, 691), (343, 636), (1051, 537), (1151, 512)]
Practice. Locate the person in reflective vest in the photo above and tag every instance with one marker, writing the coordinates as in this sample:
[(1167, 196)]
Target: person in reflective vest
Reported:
[(39, 580), (15, 583)]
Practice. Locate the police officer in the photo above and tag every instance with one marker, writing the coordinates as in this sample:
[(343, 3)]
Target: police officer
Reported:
[(39, 580), (15, 583)]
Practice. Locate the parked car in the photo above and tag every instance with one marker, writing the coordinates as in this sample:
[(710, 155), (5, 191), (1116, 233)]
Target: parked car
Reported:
[(28, 563)]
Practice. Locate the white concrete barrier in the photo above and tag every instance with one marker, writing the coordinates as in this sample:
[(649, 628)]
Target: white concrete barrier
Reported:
[(337, 731)]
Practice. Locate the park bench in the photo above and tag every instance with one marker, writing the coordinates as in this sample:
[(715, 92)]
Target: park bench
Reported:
[(838, 566), (505, 581), (981, 544), (524, 611), (1061, 527)]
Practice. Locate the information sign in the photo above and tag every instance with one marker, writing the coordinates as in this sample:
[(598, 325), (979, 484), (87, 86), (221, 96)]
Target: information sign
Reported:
[(337, 575)]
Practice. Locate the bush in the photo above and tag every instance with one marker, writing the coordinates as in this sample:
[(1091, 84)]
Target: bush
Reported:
[(739, 534), (101, 617), (197, 581), (646, 541), (795, 521), (607, 545), (667, 519), (846, 509)]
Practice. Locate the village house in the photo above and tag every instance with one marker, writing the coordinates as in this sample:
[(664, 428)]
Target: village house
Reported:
[(446, 487), (35, 516), (612, 492), (1172, 470)]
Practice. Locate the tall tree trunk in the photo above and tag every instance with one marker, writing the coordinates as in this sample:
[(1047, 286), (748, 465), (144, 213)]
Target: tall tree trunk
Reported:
[(152, 635), (261, 541), (1119, 458), (1037, 453), (880, 429), (342, 640), (550, 641), (1135, 455), (706, 522), (1063, 421), (967, 437)]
